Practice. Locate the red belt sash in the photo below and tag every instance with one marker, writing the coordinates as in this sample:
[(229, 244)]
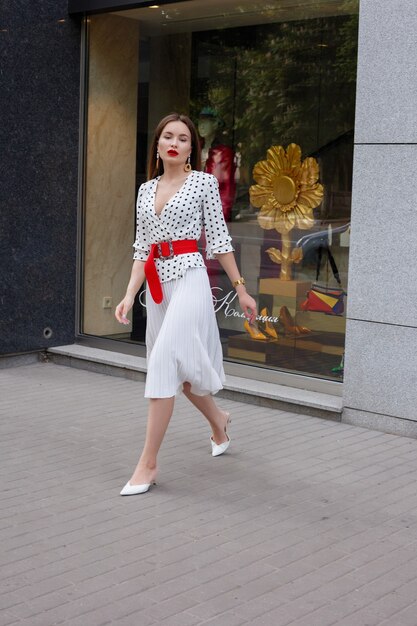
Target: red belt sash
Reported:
[(164, 250)]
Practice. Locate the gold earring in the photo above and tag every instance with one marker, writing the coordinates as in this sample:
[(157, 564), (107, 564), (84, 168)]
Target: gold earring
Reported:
[(187, 166), (157, 159)]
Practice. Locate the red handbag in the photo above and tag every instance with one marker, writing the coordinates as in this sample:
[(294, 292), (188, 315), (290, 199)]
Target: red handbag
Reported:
[(321, 299), (329, 300)]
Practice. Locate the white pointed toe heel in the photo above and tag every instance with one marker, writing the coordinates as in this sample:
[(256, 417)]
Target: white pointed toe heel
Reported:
[(218, 449), (133, 490)]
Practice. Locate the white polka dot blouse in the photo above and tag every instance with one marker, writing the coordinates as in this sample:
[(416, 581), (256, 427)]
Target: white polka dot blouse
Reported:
[(196, 205)]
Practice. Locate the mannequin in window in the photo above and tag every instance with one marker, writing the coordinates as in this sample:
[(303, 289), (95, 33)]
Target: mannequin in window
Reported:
[(217, 158)]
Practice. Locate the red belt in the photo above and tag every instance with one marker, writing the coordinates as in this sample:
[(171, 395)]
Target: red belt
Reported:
[(164, 250)]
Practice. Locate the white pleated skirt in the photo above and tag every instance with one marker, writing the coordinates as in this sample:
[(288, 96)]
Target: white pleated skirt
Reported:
[(182, 338)]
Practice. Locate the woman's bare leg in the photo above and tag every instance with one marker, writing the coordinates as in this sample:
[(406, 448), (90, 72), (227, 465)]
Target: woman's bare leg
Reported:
[(215, 416), (160, 411)]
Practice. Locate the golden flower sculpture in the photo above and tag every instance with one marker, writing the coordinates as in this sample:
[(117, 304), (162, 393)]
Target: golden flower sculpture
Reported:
[(287, 191)]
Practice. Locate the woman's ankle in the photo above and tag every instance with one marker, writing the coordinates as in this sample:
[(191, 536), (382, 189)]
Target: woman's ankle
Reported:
[(144, 474), (219, 431), (149, 465)]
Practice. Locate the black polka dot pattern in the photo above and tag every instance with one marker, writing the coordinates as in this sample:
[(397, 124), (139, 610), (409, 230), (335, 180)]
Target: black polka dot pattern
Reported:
[(195, 206)]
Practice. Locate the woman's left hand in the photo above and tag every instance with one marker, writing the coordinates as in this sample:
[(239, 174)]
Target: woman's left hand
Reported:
[(248, 306)]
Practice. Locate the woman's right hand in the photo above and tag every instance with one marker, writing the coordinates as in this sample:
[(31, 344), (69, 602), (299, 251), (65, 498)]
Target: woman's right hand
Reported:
[(123, 309)]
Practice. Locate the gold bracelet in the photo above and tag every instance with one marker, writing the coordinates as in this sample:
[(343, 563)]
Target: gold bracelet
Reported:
[(240, 281)]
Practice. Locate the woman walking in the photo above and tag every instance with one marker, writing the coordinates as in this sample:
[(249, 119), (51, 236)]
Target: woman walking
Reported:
[(182, 337)]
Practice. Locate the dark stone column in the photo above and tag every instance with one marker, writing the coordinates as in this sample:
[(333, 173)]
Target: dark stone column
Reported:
[(40, 92)]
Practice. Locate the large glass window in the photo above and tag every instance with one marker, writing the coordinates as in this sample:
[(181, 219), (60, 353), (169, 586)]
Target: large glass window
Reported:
[(271, 88)]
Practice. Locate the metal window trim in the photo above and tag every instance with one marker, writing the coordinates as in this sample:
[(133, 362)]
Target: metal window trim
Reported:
[(87, 7), (82, 148)]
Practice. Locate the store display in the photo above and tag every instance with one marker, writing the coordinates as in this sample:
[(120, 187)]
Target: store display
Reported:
[(323, 299), (217, 158), (339, 368), (287, 191), (269, 329), (253, 331), (291, 328)]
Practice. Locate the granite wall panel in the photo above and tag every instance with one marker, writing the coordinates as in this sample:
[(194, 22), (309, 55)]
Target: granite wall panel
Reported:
[(381, 369), (40, 90), (382, 265), (386, 97), (381, 341)]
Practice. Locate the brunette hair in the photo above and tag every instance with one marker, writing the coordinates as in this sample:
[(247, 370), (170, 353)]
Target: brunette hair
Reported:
[(195, 159)]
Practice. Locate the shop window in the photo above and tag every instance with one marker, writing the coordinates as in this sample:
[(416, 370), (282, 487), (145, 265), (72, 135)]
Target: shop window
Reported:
[(271, 83)]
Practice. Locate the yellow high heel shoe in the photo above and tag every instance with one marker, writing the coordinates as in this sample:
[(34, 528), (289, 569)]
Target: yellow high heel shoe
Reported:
[(269, 329), (254, 331), (291, 328)]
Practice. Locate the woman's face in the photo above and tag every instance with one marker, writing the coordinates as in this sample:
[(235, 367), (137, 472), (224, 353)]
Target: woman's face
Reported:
[(174, 144)]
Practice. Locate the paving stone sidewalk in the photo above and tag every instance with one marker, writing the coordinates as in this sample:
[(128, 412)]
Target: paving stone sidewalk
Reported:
[(305, 522)]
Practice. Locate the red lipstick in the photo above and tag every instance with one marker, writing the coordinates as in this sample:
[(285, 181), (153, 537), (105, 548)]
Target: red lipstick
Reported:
[(172, 153)]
